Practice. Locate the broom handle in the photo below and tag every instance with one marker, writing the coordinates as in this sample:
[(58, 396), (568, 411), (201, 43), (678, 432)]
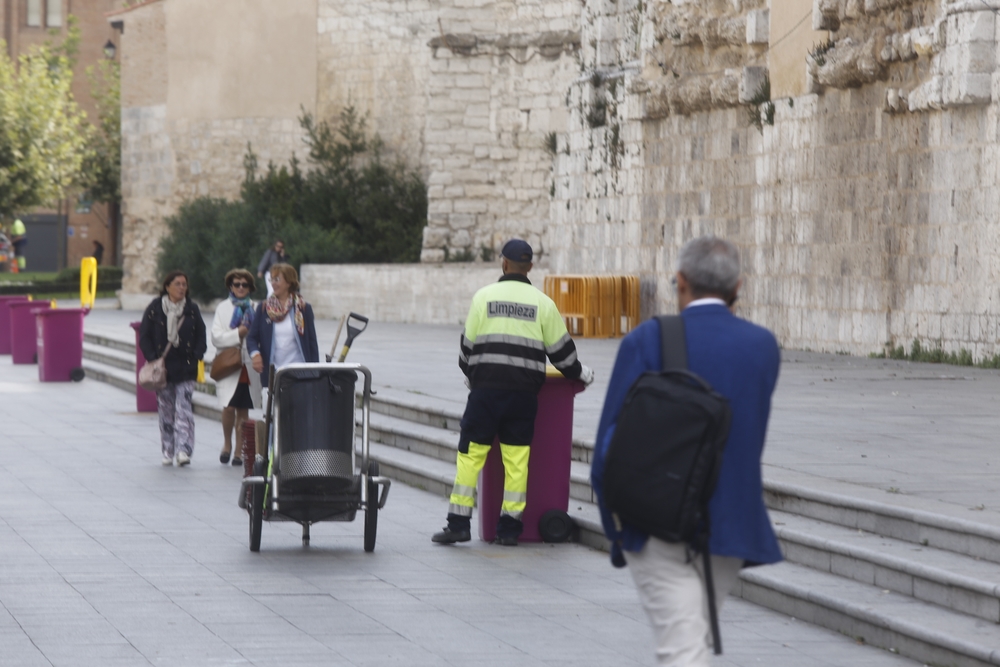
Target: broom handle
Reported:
[(333, 348)]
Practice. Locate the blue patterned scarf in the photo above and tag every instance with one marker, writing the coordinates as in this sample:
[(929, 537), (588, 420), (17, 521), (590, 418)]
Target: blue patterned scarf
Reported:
[(242, 312)]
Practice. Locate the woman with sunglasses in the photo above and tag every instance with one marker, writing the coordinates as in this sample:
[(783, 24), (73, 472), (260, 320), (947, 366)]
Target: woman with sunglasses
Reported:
[(239, 391)]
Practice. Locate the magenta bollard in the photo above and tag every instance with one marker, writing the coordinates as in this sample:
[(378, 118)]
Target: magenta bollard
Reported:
[(60, 344), (548, 467), (145, 401), (23, 335), (5, 302)]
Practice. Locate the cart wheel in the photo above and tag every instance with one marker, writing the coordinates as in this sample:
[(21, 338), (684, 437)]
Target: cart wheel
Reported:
[(256, 508), (77, 374), (371, 513)]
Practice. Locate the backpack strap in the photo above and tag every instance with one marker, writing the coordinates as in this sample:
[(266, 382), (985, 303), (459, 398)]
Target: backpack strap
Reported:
[(673, 342)]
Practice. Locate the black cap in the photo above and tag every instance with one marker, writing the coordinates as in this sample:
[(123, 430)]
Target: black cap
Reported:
[(517, 250)]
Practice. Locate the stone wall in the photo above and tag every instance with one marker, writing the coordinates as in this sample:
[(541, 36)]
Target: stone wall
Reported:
[(860, 224), (409, 293), (195, 94), (496, 120), (468, 91)]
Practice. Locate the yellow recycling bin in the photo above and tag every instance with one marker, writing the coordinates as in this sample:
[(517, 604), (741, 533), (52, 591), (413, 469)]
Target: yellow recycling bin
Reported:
[(88, 282)]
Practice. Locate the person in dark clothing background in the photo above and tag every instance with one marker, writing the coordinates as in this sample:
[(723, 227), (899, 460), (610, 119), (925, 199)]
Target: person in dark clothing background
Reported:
[(273, 255), (98, 251)]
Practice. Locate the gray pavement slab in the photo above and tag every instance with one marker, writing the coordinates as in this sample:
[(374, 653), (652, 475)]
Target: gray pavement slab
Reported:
[(109, 558)]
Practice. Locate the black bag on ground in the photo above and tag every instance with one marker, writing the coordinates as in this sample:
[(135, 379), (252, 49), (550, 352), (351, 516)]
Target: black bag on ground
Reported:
[(663, 461)]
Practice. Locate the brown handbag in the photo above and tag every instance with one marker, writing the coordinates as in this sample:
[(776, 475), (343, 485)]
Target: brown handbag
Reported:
[(227, 361)]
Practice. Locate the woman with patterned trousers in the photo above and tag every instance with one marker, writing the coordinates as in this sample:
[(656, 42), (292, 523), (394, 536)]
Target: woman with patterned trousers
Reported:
[(173, 319), (239, 391)]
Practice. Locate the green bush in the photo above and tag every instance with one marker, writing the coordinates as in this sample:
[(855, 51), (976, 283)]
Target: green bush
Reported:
[(352, 206)]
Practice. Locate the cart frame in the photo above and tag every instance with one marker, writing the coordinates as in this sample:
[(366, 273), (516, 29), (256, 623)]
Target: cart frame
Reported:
[(262, 490)]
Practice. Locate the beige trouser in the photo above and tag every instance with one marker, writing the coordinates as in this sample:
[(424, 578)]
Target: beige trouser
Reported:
[(672, 592)]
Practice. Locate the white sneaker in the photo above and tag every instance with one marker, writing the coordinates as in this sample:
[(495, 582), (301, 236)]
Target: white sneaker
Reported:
[(167, 461), (183, 459)]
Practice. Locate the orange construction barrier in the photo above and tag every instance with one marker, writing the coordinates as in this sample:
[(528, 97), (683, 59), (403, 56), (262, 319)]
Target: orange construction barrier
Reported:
[(596, 306)]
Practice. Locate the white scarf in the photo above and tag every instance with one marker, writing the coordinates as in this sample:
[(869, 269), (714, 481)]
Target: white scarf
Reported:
[(173, 311)]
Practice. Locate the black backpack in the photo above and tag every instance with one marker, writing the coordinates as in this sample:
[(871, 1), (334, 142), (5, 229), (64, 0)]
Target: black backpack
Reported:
[(663, 462)]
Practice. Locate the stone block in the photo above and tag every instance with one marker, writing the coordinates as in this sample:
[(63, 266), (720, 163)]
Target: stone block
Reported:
[(435, 237), (977, 26), (461, 220), (432, 255), (751, 80), (826, 15), (977, 57), (967, 88), (758, 26), (461, 239)]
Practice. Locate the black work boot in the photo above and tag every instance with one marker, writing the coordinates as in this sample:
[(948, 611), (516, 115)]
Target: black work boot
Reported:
[(457, 530), (508, 530), (449, 536)]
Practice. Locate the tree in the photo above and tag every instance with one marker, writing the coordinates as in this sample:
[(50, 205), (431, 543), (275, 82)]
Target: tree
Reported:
[(101, 172), (43, 133), (351, 205)]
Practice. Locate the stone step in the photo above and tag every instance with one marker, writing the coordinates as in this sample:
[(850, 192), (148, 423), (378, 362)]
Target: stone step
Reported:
[(413, 452), (113, 356), (953, 581), (204, 403), (916, 526), (113, 343), (442, 444), (421, 409), (109, 355), (873, 615), (915, 587), (412, 436)]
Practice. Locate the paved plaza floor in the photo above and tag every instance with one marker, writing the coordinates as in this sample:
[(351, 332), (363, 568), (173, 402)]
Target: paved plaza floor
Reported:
[(107, 558)]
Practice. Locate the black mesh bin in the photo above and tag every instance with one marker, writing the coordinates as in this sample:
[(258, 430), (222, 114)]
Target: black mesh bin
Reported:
[(316, 429)]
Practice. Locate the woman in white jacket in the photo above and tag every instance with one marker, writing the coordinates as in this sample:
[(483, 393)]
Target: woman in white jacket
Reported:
[(239, 391)]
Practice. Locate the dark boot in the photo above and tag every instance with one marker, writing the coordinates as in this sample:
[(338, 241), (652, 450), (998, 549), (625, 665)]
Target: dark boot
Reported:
[(457, 530), (508, 530)]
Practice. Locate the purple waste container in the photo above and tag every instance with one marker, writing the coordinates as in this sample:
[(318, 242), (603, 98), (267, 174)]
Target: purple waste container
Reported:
[(60, 344), (145, 401), (5, 302), (548, 467), (23, 336)]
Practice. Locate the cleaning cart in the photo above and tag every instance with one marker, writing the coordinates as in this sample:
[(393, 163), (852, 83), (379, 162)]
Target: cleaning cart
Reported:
[(306, 467)]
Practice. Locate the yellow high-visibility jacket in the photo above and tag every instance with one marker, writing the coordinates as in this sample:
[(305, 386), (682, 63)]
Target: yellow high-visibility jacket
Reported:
[(512, 327)]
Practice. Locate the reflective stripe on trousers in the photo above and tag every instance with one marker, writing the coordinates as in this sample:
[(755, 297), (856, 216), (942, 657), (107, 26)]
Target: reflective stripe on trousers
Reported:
[(515, 487)]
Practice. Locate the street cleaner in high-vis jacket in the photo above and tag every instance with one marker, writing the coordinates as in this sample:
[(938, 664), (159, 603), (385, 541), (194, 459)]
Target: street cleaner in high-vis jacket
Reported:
[(511, 328)]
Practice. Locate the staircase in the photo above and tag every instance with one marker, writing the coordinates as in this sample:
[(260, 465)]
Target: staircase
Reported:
[(917, 583)]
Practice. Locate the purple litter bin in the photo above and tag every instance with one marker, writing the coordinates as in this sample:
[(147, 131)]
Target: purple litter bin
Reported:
[(60, 344), (548, 467), (5, 302), (145, 401), (23, 335)]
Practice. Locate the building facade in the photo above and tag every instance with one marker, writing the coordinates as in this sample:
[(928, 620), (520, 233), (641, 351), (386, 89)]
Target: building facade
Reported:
[(60, 236), (847, 146)]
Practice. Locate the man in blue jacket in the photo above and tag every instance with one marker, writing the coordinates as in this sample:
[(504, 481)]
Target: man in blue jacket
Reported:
[(739, 360)]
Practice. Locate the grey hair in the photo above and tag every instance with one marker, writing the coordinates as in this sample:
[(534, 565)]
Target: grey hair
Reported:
[(711, 266)]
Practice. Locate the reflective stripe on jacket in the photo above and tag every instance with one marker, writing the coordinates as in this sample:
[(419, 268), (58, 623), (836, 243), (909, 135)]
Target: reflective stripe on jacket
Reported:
[(511, 328)]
